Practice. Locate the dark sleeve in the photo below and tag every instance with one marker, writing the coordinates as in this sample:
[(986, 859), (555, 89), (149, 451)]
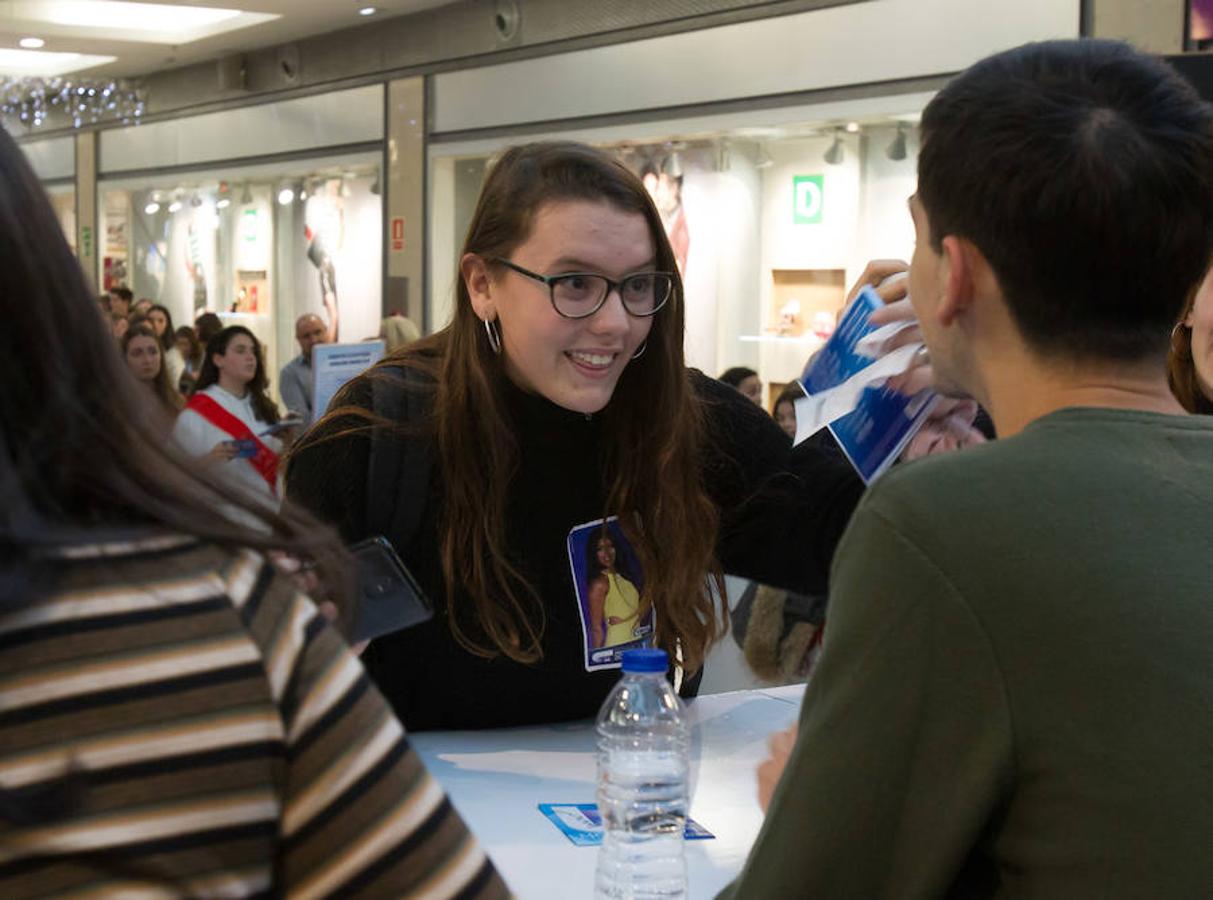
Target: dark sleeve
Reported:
[(293, 391), (782, 509), (327, 469)]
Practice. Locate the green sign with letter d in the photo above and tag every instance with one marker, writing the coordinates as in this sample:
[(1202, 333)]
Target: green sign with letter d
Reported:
[(808, 199)]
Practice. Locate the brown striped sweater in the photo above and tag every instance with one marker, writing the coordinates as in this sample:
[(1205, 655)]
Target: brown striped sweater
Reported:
[(176, 720)]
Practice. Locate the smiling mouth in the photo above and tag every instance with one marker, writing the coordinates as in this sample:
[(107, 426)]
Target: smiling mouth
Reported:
[(592, 360)]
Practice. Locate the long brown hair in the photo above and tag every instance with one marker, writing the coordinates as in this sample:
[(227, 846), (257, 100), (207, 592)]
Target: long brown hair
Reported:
[(655, 491), (265, 409), (1181, 367), (166, 393)]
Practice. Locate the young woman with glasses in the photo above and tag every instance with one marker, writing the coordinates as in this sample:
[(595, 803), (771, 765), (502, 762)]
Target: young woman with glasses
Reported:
[(557, 398)]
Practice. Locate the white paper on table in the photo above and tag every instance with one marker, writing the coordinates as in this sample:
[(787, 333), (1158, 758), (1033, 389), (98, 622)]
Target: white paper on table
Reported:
[(815, 411)]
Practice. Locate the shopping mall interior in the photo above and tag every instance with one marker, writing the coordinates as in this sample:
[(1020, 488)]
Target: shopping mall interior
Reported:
[(210, 143), (310, 170)]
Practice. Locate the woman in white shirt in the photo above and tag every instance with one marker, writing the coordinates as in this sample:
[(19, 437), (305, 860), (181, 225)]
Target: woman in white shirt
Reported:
[(228, 420)]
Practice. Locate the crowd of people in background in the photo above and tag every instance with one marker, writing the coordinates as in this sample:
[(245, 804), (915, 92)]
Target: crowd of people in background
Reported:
[(209, 384)]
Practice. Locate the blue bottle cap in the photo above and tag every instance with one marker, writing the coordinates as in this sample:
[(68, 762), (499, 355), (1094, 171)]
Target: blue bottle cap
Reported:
[(645, 660)]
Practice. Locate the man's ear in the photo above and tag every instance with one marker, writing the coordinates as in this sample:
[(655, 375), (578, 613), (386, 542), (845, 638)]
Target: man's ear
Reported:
[(475, 275), (966, 269)]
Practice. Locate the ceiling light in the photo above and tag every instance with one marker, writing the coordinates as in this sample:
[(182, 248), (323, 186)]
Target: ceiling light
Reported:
[(139, 16), (33, 63), (368, 11), (285, 196), (223, 203), (152, 208), (837, 152), (160, 23), (897, 149), (175, 206), (32, 43), (852, 127)]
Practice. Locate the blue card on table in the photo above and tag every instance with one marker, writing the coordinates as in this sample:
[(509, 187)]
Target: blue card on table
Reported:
[(582, 825)]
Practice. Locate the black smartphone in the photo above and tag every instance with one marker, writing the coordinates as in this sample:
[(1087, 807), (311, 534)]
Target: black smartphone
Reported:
[(389, 598)]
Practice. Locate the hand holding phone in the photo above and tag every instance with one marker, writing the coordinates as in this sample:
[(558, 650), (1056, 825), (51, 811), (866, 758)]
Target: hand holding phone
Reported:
[(244, 448), (283, 425), (389, 598)]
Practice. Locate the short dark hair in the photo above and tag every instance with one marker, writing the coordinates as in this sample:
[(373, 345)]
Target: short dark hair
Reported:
[(123, 293), (1083, 171), (736, 375), (207, 326)]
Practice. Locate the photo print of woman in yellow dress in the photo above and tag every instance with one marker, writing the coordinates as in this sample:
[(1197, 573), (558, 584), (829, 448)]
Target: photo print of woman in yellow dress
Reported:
[(614, 614)]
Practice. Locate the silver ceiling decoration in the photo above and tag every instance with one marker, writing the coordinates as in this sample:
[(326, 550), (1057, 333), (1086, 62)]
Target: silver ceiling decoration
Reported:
[(82, 101)]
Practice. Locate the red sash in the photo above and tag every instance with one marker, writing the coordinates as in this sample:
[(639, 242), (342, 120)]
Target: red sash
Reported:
[(266, 460)]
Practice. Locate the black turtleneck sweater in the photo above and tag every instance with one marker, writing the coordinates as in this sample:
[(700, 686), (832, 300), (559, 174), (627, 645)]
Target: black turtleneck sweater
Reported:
[(782, 513)]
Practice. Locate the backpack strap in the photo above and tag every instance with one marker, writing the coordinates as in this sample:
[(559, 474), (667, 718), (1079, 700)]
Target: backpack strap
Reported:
[(398, 472)]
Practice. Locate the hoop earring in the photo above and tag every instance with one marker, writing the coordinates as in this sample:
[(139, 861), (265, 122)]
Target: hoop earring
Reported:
[(644, 345), (490, 328)]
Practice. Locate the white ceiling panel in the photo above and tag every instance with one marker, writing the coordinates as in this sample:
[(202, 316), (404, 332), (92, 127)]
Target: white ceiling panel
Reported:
[(152, 38)]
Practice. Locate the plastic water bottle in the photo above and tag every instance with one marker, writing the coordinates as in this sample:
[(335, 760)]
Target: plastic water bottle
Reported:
[(643, 746)]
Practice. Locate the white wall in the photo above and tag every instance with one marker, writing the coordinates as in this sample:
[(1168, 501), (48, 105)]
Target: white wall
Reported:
[(443, 244), (886, 232), (305, 123), (51, 158), (739, 223), (880, 40)]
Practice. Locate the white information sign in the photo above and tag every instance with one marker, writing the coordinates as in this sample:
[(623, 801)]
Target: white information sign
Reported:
[(335, 364)]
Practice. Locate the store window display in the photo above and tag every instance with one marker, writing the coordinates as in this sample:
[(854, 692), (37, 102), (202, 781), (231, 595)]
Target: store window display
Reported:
[(769, 224), (258, 247)]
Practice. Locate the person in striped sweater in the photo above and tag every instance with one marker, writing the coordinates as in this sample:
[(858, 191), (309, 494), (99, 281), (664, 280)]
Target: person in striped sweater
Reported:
[(176, 717)]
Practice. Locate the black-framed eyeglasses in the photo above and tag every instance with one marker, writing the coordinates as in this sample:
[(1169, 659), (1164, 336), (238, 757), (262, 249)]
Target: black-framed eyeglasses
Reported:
[(576, 295)]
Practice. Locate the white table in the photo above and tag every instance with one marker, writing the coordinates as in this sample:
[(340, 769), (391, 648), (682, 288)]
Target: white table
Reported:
[(496, 779)]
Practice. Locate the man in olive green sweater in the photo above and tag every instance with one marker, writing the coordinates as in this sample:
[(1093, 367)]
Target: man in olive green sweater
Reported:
[(1015, 697)]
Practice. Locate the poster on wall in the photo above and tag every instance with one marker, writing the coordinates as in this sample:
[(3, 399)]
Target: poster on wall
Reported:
[(324, 236), (337, 254), (664, 184)]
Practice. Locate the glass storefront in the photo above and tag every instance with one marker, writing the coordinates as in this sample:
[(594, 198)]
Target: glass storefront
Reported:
[(259, 246), (770, 223)]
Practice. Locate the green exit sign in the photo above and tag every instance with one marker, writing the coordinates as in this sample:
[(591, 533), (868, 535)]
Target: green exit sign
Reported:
[(808, 198)]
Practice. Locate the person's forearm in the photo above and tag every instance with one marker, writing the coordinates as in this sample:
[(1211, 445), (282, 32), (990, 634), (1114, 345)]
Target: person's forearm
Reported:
[(330, 305)]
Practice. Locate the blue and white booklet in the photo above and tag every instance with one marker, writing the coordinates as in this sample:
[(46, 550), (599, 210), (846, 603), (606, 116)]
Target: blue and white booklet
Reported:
[(582, 825), (845, 391)]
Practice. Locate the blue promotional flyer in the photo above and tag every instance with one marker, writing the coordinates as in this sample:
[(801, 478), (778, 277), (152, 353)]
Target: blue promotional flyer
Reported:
[(845, 388), (582, 825)]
